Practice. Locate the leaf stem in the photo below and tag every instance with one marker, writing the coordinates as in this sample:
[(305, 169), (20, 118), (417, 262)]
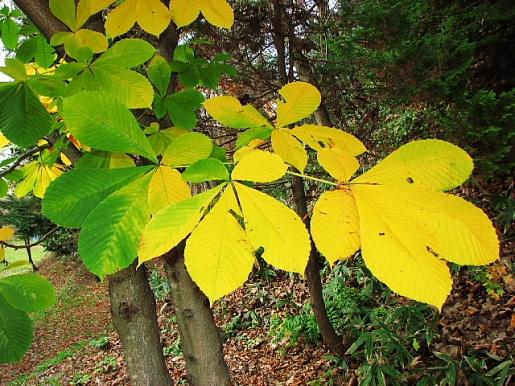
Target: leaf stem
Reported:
[(312, 178)]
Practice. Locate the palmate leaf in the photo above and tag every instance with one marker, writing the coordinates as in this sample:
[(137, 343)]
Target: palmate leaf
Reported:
[(99, 121), (407, 229), (109, 237), (209, 169), (104, 160), (6, 233), (127, 53), (15, 332), (259, 166), (71, 198), (151, 15), (187, 149), (171, 225), (27, 292), (217, 12), (159, 73), (301, 100), (226, 264), (166, 188), (339, 164), (275, 227), (23, 119)]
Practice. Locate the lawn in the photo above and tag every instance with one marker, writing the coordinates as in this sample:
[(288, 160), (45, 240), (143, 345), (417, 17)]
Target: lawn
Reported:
[(14, 255)]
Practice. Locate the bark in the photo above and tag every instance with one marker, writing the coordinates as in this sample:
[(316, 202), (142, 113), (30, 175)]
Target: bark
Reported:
[(39, 13), (201, 341), (133, 310)]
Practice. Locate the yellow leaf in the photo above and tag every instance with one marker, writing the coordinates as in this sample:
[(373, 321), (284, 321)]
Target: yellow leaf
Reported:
[(6, 233), (231, 113), (153, 16), (88, 8), (289, 149), (302, 100), (166, 188), (44, 177), (225, 265), (252, 146), (218, 12), (335, 225), (398, 250), (2, 254), (30, 171), (65, 160), (171, 225), (92, 39), (430, 163), (184, 12), (275, 227), (122, 18), (339, 164), (323, 137), (3, 141), (259, 166), (461, 232)]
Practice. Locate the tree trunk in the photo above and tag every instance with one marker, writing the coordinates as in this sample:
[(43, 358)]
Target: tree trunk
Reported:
[(201, 341), (29, 254), (332, 340), (133, 310)]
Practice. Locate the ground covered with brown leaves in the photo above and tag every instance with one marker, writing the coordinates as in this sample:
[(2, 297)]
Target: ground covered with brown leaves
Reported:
[(75, 343)]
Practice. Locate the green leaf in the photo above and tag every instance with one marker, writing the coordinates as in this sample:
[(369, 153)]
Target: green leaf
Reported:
[(209, 169), (126, 53), (251, 134), (181, 107), (187, 149), (26, 51), (110, 235), (218, 153), (28, 292), (104, 123), (45, 54), (23, 119), (129, 87), (105, 160), (4, 187), (71, 197), (14, 69), (10, 31), (64, 10), (184, 54), (15, 332), (159, 73)]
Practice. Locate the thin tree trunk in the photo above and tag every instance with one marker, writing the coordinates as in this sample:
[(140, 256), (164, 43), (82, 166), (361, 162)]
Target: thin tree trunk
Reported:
[(201, 341), (332, 340), (29, 254), (133, 310)]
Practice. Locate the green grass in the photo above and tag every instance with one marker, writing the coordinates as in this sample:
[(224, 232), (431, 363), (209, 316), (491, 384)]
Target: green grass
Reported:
[(15, 255)]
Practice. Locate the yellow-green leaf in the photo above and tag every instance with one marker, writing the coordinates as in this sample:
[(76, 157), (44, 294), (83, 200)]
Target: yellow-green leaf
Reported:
[(166, 188), (335, 225), (231, 113), (171, 225), (3, 141), (259, 166), (275, 227), (430, 163), (225, 265), (87, 8), (289, 149), (323, 137), (302, 100), (339, 164), (64, 10), (187, 149), (92, 39)]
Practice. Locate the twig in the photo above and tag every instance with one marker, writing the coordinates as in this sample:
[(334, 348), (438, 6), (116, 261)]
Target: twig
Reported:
[(43, 238), (22, 157)]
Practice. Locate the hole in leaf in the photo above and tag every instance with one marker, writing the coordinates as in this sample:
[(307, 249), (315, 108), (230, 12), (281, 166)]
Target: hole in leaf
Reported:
[(410, 180), (321, 144), (381, 233), (431, 251)]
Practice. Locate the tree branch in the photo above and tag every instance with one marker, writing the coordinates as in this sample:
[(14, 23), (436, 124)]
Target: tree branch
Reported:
[(43, 238), (38, 11), (22, 157)]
